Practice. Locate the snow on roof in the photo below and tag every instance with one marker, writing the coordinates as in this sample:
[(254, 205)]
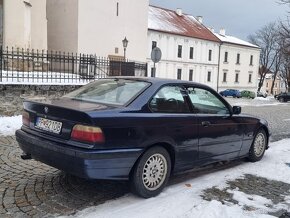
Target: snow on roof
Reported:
[(234, 40), (165, 20)]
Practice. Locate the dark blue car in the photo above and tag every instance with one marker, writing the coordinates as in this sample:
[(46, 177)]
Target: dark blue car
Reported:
[(231, 92), (141, 129)]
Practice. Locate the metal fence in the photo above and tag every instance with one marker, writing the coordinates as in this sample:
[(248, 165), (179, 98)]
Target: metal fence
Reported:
[(35, 66)]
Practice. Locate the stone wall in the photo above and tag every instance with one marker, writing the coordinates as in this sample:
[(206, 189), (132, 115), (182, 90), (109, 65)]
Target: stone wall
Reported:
[(12, 96)]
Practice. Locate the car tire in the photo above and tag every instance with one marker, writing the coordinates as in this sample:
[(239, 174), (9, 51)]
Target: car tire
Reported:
[(281, 100), (258, 147), (151, 173)]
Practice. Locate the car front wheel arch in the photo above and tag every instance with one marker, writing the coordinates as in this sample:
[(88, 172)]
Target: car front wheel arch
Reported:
[(259, 146), (262, 127)]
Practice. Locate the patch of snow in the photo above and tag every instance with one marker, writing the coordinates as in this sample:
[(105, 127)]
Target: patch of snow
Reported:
[(183, 199), (256, 102), (254, 201), (8, 125), (41, 78), (234, 40)]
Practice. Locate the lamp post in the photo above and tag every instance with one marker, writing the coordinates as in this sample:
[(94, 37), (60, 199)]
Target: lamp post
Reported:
[(125, 44)]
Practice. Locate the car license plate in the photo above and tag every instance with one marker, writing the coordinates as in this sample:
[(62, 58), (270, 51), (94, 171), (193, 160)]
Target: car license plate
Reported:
[(48, 125)]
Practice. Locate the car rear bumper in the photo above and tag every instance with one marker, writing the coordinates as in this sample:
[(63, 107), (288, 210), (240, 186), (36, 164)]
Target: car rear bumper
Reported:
[(91, 164)]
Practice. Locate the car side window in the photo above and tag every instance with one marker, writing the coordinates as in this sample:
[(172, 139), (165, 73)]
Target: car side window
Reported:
[(205, 102), (169, 99)]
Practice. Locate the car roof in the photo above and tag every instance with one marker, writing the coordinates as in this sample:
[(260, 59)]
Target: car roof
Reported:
[(155, 80)]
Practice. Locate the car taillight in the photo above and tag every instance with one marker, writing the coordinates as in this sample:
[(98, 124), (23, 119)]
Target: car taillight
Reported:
[(25, 119), (88, 134)]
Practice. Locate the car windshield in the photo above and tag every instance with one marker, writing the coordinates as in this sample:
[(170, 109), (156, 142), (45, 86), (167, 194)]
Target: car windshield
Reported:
[(109, 91)]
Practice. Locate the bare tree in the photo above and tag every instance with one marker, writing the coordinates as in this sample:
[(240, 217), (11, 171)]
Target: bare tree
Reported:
[(276, 69), (285, 70), (284, 1), (285, 36), (284, 32), (266, 38)]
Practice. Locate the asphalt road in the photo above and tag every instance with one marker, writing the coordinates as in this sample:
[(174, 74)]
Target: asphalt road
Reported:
[(277, 115)]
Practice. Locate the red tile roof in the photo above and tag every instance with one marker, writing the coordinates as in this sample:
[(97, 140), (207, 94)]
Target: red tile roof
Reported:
[(165, 20)]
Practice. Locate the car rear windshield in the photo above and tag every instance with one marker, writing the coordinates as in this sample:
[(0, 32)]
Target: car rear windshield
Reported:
[(109, 91)]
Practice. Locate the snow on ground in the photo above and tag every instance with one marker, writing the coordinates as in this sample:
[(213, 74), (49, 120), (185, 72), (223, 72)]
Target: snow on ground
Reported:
[(41, 78), (256, 102), (8, 125), (183, 199)]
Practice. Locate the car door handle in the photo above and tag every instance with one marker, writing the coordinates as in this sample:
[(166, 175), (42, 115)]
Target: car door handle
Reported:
[(205, 123)]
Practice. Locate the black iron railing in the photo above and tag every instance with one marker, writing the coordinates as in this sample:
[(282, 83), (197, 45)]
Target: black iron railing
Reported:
[(35, 66)]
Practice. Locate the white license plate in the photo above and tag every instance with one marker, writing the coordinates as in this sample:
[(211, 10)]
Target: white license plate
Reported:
[(48, 125)]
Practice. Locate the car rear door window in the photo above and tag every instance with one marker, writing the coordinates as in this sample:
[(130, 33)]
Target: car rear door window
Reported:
[(205, 102), (169, 99)]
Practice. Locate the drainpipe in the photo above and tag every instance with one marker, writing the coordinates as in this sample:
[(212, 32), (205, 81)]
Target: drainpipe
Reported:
[(218, 73)]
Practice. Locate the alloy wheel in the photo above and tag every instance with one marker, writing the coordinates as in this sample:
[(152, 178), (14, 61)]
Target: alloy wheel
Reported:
[(154, 172), (259, 144)]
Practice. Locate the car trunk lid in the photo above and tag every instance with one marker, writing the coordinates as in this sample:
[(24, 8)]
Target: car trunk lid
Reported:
[(57, 117)]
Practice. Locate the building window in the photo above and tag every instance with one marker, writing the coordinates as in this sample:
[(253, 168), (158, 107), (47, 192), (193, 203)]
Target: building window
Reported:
[(209, 76), (152, 72), (225, 77), (154, 44), (190, 75), (250, 78), (191, 53), (226, 57), (179, 71), (267, 84), (275, 85), (209, 55), (238, 58), (117, 11), (251, 60), (179, 54), (237, 78)]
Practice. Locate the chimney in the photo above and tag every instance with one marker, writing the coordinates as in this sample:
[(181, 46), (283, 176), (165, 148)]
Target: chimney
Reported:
[(211, 29), (222, 31), (199, 19), (178, 11)]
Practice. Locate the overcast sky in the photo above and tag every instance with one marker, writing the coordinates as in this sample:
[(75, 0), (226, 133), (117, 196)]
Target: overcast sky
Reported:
[(240, 18)]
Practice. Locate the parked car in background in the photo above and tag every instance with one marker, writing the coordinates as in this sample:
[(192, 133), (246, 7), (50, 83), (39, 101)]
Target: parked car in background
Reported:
[(283, 97), (138, 129), (231, 92), (248, 94), (262, 94)]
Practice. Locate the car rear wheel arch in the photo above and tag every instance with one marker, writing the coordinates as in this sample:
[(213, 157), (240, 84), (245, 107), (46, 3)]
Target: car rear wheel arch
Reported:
[(154, 161), (168, 147)]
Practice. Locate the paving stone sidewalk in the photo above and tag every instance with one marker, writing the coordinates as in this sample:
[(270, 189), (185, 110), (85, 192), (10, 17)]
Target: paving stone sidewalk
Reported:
[(32, 189)]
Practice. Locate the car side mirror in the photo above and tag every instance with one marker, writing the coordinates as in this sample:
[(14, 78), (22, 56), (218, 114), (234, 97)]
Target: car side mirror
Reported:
[(237, 109)]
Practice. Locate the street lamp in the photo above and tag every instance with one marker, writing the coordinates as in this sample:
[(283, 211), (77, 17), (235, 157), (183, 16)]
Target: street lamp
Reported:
[(125, 44)]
